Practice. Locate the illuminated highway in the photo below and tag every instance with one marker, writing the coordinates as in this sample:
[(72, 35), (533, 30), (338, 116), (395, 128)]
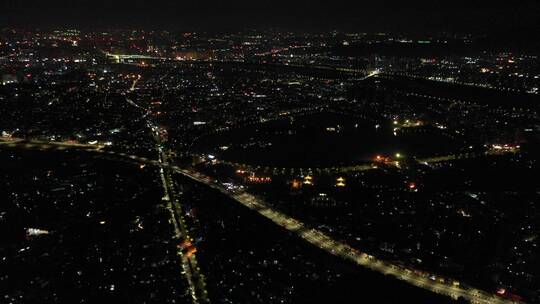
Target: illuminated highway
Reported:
[(171, 198), (185, 252), (337, 69), (431, 282), (454, 81), (45, 145), (372, 74)]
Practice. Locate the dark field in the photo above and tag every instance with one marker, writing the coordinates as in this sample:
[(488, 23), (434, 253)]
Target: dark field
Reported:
[(324, 139)]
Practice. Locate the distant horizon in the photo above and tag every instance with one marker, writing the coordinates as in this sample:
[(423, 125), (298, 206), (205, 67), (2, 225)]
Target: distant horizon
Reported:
[(500, 40)]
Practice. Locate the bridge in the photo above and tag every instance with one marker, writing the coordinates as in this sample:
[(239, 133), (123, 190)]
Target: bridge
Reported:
[(119, 58)]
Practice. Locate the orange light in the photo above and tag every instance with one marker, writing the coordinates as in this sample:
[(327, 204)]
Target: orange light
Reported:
[(191, 252), (412, 186)]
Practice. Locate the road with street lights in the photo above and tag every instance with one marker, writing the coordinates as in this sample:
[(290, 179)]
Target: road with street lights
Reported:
[(186, 251)]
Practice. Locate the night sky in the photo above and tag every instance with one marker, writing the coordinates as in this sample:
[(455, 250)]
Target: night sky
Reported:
[(423, 15)]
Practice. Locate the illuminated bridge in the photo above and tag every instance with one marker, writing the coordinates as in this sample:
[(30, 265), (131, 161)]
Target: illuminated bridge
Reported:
[(119, 58)]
